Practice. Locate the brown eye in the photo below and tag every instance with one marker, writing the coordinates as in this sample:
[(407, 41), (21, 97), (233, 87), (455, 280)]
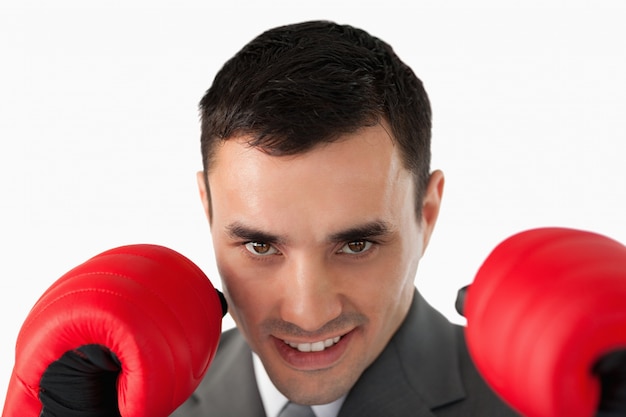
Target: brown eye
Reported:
[(357, 246), (260, 248)]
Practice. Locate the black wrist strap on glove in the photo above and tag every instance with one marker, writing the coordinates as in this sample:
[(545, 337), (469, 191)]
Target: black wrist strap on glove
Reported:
[(611, 369), (82, 383)]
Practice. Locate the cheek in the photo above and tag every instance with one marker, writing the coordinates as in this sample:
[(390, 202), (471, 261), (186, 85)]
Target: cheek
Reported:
[(391, 286), (248, 297), (234, 292), (392, 291)]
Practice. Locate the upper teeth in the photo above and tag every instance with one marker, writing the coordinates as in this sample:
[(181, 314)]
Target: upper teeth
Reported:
[(315, 346)]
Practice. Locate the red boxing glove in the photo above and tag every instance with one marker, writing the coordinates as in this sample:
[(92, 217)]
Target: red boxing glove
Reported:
[(546, 323), (130, 332)]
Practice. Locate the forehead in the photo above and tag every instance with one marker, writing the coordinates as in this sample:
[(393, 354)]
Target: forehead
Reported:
[(368, 145), (360, 174)]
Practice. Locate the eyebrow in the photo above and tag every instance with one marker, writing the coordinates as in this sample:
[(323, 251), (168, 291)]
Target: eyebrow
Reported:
[(240, 231), (374, 229), (369, 230)]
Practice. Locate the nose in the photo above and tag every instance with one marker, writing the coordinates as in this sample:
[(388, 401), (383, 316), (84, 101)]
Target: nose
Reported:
[(311, 297)]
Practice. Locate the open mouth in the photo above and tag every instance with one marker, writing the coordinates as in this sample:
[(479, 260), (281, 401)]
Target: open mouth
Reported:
[(315, 346), (314, 356)]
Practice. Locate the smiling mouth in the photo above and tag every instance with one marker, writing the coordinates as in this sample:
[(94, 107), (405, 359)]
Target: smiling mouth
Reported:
[(315, 346)]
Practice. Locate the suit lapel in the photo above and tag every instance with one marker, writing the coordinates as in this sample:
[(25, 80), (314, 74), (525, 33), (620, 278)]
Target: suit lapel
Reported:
[(417, 372), (230, 390)]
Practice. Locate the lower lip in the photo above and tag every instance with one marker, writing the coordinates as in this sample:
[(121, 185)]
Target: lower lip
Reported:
[(313, 361)]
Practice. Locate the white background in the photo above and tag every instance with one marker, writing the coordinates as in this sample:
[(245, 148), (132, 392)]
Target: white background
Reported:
[(99, 134)]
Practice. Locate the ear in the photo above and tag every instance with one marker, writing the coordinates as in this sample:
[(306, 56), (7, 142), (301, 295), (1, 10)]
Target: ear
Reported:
[(431, 205), (205, 196)]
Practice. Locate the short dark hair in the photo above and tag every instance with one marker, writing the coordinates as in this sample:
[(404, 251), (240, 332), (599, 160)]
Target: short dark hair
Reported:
[(296, 86)]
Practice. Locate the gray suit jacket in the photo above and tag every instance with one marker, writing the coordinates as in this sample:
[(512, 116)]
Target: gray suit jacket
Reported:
[(424, 371)]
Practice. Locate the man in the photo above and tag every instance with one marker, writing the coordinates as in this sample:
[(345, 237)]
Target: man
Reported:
[(321, 202)]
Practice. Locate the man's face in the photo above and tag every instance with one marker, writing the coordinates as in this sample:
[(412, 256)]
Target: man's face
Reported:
[(317, 254)]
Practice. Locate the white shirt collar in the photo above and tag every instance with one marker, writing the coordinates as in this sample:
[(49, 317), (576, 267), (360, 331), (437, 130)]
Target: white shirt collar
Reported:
[(274, 400)]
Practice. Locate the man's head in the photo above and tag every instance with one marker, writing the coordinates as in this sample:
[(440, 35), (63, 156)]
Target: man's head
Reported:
[(315, 141)]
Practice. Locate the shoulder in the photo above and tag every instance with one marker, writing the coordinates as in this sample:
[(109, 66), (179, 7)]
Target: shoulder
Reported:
[(424, 370), (443, 369), (479, 398)]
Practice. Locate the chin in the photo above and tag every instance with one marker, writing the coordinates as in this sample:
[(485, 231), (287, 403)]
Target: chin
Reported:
[(314, 397), (317, 387)]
